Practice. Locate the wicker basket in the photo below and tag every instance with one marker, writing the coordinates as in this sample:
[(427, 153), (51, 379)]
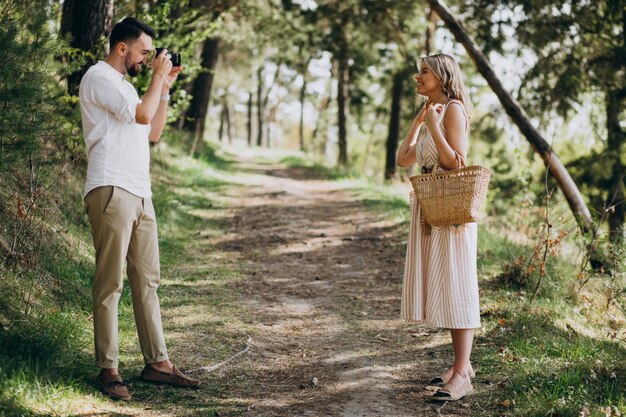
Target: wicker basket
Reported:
[(452, 197)]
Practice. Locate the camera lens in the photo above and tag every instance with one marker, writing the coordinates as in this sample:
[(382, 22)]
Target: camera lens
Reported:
[(174, 56)]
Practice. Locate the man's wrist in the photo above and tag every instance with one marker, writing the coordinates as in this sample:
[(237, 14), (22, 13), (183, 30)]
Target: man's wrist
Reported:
[(165, 97), (158, 78)]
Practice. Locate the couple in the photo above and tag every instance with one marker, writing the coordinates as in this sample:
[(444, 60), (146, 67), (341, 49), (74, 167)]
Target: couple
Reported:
[(440, 283)]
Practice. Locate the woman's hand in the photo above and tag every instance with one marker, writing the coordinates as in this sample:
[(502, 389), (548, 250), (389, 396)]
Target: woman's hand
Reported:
[(434, 115)]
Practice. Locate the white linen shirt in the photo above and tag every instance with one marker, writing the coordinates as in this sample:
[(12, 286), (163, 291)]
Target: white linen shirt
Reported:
[(118, 149)]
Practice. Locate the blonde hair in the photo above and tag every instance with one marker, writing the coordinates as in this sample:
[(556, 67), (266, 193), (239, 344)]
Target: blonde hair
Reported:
[(448, 72)]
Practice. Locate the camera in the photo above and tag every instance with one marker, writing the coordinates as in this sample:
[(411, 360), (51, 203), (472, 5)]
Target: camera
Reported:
[(175, 56)]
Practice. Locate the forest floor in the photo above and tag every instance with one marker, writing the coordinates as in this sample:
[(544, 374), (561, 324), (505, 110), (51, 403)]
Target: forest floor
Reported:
[(314, 295), (323, 278), (280, 289)]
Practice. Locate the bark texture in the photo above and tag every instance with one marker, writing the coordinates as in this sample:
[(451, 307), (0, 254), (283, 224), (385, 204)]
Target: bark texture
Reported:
[(195, 118), (394, 124), (86, 21)]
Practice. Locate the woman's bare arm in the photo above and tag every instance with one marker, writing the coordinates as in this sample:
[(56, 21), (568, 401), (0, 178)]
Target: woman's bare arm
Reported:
[(406, 152), (455, 139)]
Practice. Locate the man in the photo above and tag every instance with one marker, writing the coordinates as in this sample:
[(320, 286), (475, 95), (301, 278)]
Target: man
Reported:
[(118, 126)]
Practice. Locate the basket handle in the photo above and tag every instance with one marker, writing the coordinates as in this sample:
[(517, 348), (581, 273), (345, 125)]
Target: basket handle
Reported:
[(460, 162)]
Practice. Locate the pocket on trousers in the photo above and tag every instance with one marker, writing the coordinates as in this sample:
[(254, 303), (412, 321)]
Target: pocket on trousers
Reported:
[(109, 200)]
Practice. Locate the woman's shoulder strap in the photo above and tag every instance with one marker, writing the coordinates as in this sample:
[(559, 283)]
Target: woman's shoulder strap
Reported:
[(460, 103)]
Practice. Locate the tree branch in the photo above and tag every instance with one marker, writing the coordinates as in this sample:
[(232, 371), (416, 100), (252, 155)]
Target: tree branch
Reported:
[(212, 368), (520, 118)]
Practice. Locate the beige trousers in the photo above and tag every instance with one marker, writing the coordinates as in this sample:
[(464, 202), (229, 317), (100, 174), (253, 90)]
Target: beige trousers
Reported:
[(124, 226)]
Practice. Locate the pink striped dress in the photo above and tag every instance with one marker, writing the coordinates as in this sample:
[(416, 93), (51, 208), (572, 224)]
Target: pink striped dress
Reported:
[(440, 285)]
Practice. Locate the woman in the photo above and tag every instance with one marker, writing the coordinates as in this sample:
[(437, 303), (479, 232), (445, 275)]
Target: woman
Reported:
[(440, 285)]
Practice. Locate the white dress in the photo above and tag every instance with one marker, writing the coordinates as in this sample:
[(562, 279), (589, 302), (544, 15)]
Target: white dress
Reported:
[(440, 285)]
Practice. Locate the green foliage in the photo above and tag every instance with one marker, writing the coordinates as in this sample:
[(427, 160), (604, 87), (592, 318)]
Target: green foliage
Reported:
[(35, 125), (181, 29), (577, 45), (27, 87), (575, 58)]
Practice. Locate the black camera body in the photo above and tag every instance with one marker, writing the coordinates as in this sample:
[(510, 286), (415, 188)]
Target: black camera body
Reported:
[(175, 56)]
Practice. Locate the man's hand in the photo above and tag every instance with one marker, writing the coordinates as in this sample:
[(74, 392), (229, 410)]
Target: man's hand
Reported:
[(171, 77), (161, 64)]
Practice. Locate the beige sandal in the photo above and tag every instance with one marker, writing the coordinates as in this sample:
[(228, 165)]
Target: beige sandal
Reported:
[(450, 393), (442, 380)]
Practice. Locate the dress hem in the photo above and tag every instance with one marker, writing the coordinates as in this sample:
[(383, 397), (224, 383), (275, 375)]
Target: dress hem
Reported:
[(439, 325)]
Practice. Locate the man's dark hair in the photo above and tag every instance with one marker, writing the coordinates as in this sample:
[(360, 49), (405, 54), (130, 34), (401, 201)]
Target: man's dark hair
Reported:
[(129, 28)]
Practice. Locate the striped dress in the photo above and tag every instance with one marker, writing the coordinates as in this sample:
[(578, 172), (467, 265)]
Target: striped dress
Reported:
[(440, 285)]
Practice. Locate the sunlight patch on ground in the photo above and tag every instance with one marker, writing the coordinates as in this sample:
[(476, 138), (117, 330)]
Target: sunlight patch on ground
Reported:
[(369, 376), (343, 357)]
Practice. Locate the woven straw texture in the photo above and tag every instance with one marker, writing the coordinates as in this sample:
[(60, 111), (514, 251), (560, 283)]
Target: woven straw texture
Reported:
[(452, 197)]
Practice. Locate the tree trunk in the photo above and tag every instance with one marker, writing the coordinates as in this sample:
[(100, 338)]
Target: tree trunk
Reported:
[(259, 111), (229, 132), (519, 117), (201, 94), (86, 22), (615, 141), (394, 125), (343, 100), (614, 148), (272, 112), (302, 97), (249, 124), (268, 128), (430, 30), (220, 131), (320, 123), (263, 103)]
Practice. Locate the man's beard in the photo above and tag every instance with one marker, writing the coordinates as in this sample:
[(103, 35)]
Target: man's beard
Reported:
[(132, 68)]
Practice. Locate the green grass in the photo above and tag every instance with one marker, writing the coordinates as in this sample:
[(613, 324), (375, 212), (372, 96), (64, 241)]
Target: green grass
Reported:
[(43, 362), (316, 168), (532, 352), (546, 370), (46, 354)]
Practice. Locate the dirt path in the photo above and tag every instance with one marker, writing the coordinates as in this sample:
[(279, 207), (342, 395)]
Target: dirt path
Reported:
[(323, 278)]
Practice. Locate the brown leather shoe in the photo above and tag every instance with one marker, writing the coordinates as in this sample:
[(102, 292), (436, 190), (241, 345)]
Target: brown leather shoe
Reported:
[(113, 387), (176, 378)]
